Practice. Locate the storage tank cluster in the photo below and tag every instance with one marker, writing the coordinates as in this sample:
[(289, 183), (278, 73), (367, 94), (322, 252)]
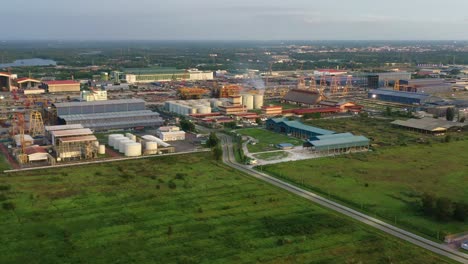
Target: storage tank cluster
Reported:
[(125, 144), (188, 107)]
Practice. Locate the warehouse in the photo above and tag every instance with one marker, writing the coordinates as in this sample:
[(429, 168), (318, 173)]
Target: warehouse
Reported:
[(424, 86), (105, 115), (61, 86), (295, 128), (164, 74), (170, 133), (337, 143), (429, 125), (5, 81), (401, 97), (302, 97)]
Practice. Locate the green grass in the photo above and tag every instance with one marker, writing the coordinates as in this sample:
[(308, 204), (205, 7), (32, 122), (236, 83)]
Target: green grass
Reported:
[(122, 213), (380, 131), (395, 178), (267, 140), (271, 155)]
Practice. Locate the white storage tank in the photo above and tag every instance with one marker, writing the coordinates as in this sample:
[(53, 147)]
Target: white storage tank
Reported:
[(202, 109), (102, 149), (122, 144), (151, 147), (248, 101), (132, 149), (128, 135), (258, 101), (134, 138), (111, 139)]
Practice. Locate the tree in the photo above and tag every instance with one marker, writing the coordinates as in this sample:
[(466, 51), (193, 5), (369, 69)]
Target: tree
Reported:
[(217, 152), (388, 111), (444, 208), (462, 120), (450, 114), (460, 212), (428, 204), (258, 120), (212, 141), (187, 126), (169, 230)]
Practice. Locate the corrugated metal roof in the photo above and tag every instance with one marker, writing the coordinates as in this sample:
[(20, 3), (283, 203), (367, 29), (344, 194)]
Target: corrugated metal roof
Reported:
[(72, 132), (108, 102), (339, 135), (302, 96), (344, 142), (299, 125), (428, 124), (78, 139), (63, 127), (61, 82), (398, 93), (98, 116)]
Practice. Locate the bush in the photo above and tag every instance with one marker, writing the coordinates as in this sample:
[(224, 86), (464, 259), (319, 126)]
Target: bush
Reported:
[(8, 206), (444, 208), (5, 187), (3, 197), (460, 211), (180, 176), (172, 185)]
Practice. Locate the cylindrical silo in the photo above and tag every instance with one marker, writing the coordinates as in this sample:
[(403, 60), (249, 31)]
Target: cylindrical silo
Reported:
[(132, 149), (102, 149), (122, 144), (258, 101), (111, 139), (248, 101), (151, 147)]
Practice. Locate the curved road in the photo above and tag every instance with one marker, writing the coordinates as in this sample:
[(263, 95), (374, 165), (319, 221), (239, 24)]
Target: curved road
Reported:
[(229, 159)]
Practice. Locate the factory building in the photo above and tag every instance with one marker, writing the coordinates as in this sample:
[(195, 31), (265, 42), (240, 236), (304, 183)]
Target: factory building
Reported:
[(72, 142), (61, 86), (105, 115), (170, 133), (94, 95), (337, 143), (376, 80), (429, 125), (401, 97), (272, 110), (5, 81), (302, 97), (424, 86), (295, 128), (160, 74), (28, 83)]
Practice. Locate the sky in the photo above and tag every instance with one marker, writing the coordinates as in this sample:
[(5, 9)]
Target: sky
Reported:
[(234, 20)]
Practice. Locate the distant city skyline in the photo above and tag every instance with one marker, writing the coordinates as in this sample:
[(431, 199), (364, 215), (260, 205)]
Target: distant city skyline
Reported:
[(235, 20)]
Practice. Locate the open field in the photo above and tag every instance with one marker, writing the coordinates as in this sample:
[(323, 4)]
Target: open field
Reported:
[(184, 209), (380, 131), (271, 155), (389, 182), (266, 140)]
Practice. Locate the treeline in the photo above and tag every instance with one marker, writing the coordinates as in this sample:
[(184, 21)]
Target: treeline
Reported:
[(443, 209)]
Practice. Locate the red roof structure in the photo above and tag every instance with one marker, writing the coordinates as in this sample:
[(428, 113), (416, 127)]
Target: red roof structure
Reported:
[(26, 79)]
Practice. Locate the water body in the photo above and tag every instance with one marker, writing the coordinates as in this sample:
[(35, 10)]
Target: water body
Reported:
[(29, 62)]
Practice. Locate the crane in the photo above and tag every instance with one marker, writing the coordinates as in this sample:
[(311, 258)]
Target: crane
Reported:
[(19, 127)]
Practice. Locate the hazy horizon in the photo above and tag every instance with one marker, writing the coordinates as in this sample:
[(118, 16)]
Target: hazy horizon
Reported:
[(208, 20)]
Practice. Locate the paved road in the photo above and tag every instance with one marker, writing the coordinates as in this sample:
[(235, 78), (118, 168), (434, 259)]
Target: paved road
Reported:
[(229, 159)]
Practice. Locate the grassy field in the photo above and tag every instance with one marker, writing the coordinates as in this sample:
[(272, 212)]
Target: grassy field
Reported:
[(389, 182), (271, 155), (179, 209), (266, 139), (380, 131)]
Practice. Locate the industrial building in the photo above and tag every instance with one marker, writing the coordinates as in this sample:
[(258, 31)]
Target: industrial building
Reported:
[(385, 79), (61, 86), (170, 133), (94, 95), (106, 115), (401, 97), (72, 142), (28, 83), (302, 97), (295, 128), (272, 110), (160, 74), (5, 81), (337, 143), (424, 86), (429, 125)]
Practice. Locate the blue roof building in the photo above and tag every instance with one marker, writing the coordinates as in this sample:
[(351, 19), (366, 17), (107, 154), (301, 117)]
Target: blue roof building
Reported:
[(401, 97), (295, 128), (338, 143)]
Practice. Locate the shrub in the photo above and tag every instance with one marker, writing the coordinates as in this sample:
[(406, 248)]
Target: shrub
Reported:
[(180, 176), (5, 187), (8, 206), (172, 185)]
